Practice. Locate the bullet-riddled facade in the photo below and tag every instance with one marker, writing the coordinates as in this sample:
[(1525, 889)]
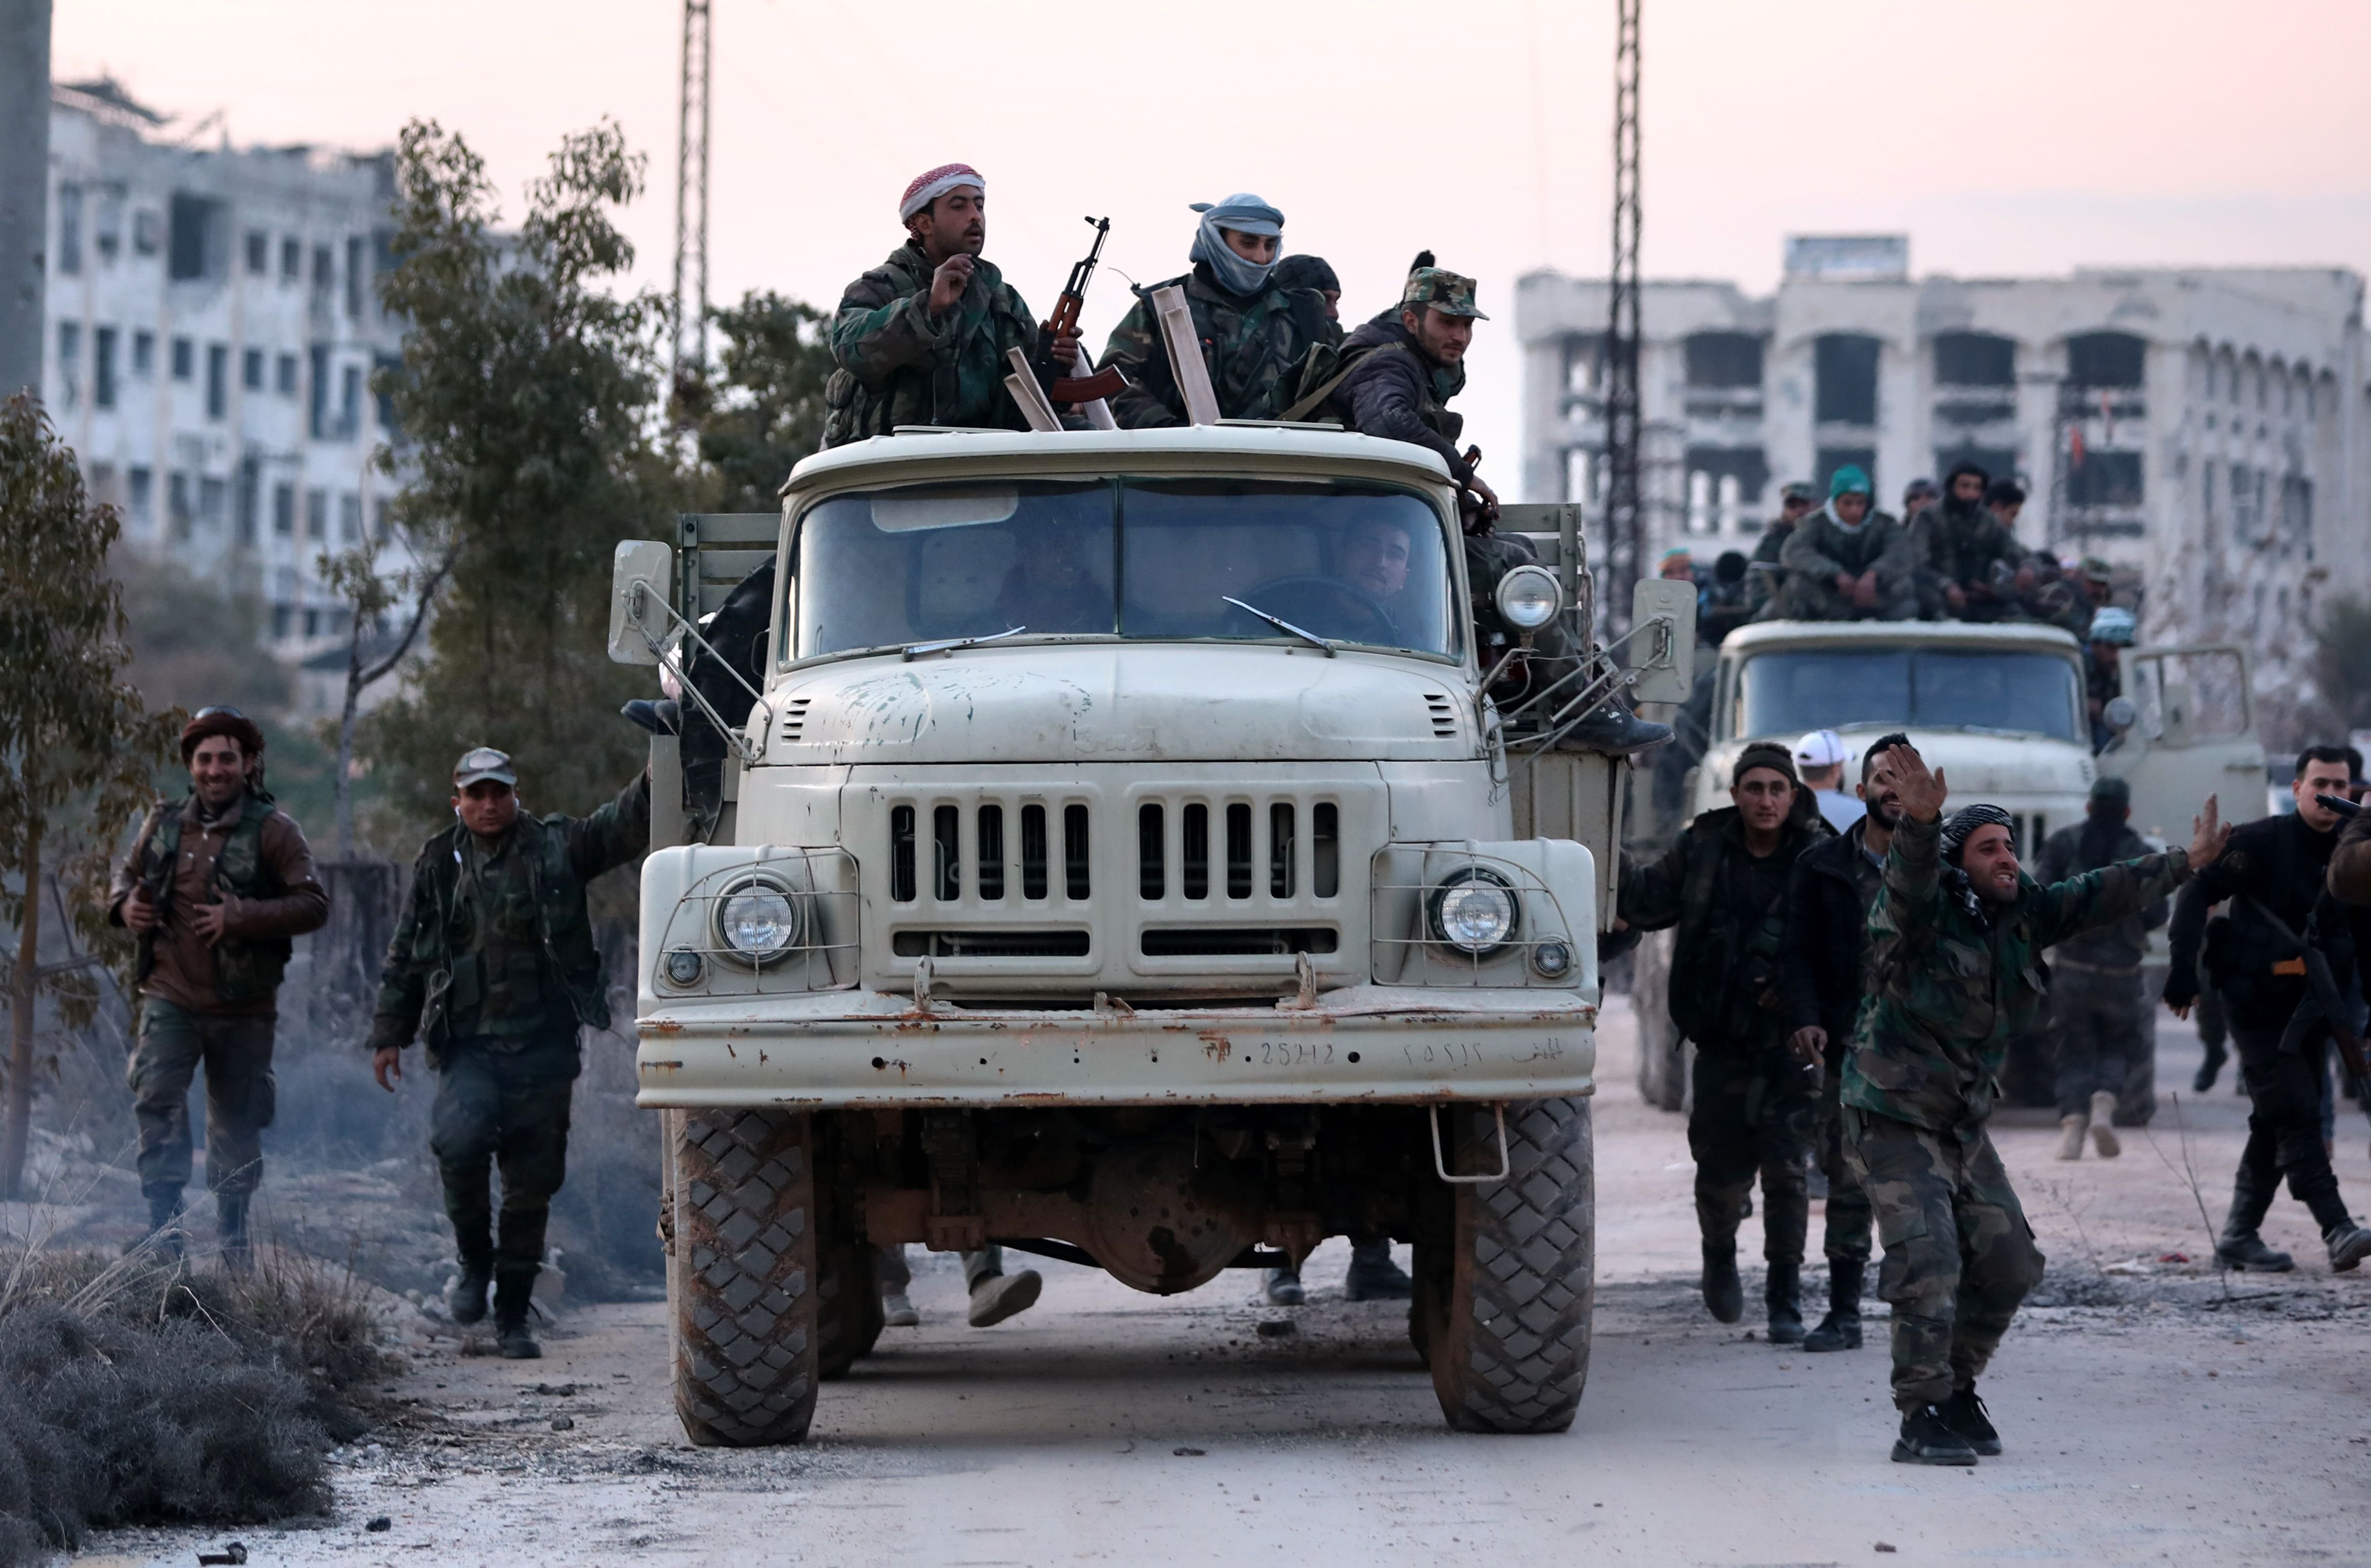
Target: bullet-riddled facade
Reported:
[(2205, 429)]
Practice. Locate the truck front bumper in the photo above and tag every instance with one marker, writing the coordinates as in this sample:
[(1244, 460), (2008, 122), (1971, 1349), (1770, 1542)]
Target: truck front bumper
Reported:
[(859, 1050)]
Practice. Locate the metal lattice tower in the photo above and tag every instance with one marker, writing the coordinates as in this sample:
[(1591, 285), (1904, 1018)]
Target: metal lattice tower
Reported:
[(1624, 524), (691, 198)]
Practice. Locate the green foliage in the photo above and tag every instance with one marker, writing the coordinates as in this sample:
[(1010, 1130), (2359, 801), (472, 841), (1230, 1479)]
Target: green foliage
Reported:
[(2342, 637), (769, 412), (525, 400)]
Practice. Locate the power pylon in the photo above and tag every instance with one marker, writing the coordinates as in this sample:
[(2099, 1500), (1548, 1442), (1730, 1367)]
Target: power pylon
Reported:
[(691, 198), (1625, 535)]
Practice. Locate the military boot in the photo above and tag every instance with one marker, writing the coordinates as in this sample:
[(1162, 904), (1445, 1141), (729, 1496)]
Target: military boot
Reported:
[(2349, 1244), (1724, 1293), (1282, 1287), (1839, 1330), (164, 1221), (1615, 731), (1782, 1293), (464, 1299), (1373, 1277), (1964, 1413), (514, 1302), (996, 1296), (2103, 1132), (1927, 1439), (2240, 1248), (230, 1230), (2211, 1068), (2071, 1130)]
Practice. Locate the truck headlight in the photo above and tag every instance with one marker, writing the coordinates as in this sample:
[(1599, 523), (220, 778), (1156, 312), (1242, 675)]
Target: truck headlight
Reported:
[(1529, 597), (1474, 910), (758, 921)]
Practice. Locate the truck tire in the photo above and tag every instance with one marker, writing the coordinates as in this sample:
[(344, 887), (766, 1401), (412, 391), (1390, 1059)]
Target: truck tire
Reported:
[(847, 1306), (1662, 1055), (747, 1339), (1502, 1313)]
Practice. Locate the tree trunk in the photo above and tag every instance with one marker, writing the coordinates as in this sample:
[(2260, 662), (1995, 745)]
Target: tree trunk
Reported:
[(18, 1128), (344, 780)]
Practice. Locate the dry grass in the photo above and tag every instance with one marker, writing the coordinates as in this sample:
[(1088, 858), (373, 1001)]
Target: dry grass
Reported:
[(134, 1390)]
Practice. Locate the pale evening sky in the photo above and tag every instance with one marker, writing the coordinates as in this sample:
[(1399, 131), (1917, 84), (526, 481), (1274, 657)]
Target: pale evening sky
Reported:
[(2012, 136)]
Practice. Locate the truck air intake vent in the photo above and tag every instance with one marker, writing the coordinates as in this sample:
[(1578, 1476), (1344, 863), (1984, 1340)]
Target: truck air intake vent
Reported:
[(1444, 715), (989, 944), (1235, 941), (794, 717)]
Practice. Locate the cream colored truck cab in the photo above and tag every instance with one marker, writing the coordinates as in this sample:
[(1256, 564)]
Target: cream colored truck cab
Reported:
[(1123, 864), (2001, 710)]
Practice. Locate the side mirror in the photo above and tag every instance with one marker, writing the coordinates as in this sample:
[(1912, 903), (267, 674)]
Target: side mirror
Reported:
[(2120, 714), (641, 578), (1663, 640)]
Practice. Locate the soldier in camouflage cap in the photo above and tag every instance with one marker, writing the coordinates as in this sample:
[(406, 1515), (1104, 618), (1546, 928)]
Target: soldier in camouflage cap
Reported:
[(1955, 974), (1397, 372)]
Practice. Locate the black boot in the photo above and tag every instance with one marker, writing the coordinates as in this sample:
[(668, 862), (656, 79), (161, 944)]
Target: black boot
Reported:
[(464, 1299), (1724, 1294), (2211, 1068), (514, 1302), (1839, 1330), (2240, 1248), (1927, 1439), (230, 1230), (1783, 1293), (164, 1221), (1373, 1277), (1965, 1415), (2349, 1244), (1615, 731), (1282, 1287)]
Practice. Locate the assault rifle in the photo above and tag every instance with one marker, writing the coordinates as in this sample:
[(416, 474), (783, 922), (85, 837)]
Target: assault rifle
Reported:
[(2322, 1002), (1104, 383)]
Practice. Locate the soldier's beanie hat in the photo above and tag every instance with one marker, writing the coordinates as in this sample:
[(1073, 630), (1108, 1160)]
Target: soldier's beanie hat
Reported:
[(1763, 754), (1961, 824), (2097, 571), (2114, 793), (1919, 487), (1966, 466), (230, 721), (1307, 272), (1451, 294), (933, 183), (1797, 489), (1849, 479)]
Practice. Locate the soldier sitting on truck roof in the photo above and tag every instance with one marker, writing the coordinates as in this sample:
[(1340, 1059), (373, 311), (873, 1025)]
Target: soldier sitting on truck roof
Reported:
[(1763, 574), (1967, 557), (921, 338), (1255, 329), (1847, 560), (1312, 272)]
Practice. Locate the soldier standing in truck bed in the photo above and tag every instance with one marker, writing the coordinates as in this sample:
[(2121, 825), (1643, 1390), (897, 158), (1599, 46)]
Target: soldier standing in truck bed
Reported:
[(921, 339), (492, 963)]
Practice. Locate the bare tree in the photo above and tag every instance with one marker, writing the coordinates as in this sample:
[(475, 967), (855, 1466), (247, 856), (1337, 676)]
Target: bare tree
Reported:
[(355, 576)]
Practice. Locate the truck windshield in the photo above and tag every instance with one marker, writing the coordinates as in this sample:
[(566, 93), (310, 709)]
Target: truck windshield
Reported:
[(1140, 559), (1786, 692)]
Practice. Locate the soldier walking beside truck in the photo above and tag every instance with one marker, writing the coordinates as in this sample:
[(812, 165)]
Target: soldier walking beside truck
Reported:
[(2096, 999), (215, 887)]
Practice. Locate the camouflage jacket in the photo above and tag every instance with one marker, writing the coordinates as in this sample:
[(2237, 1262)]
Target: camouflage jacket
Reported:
[(897, 365), (499, 943), (1392, 391), (1949, 987), (1725, 960), (1255, 350), (1962, 547), (1820, 546)]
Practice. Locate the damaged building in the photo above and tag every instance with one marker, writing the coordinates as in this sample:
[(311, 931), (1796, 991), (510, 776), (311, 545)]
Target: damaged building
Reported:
[(213, 327), (2205, 429)]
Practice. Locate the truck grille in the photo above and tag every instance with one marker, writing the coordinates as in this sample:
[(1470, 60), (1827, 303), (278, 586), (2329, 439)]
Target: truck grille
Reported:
[(1257, 843), (988, 864)]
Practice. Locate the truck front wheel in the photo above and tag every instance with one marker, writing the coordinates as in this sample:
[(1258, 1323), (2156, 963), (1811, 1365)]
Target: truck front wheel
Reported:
[(1504, 1301), (746, 1336)]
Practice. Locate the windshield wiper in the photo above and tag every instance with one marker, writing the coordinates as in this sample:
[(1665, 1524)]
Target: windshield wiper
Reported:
[(1284, 626), (916, 650)]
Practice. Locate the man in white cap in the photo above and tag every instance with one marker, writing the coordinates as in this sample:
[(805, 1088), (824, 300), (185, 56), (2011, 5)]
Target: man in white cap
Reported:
[(1255, 333), (921, 338), (1820, 759)]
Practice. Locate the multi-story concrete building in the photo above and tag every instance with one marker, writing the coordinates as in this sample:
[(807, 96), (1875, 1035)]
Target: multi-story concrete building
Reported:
[(2206, 430), (213, 325)]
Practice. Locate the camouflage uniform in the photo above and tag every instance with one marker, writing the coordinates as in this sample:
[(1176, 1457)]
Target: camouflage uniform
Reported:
[(492, 963), (1949, 988), (2096, 1007), (1255, 348), (1963, 542), (1820, 548), (897, 365)]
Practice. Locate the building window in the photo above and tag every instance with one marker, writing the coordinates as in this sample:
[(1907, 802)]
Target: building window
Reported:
[(281, 617), (2296, 510), (2106, 359), (177, 503), (325, 269), (107, 236), (317, 419), (1723, 481), (1974, 359), (194, 250), (147, 232), (1844, 365), (141, 486), (2105, 478), (251, 369), (292, 259), (143, 354), (349, 401), (381, 524), (349, 519), (383, 405), (259, 252), (1584, 363), (249, 498), (285, 372), (317, 515), (355, 277), (213, 495), (312, 623), (69, 363), (185, 359), (1831, 458), (217, 379), (102, 367), (69, 229), (284, 510), (1724, 359)]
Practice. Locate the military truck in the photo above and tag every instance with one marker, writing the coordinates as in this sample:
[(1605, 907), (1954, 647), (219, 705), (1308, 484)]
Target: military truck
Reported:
[(1124, 859), (2002, 708)]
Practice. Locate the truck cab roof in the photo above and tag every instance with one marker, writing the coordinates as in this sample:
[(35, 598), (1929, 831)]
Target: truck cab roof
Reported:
[(1235, 447), (1756, 636)]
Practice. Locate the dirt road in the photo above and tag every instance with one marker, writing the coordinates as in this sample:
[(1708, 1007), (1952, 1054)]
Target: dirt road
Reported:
[(2149, 1416)]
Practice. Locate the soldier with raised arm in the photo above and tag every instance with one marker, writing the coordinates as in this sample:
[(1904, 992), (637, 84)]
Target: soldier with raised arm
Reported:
[(1955, 974)]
